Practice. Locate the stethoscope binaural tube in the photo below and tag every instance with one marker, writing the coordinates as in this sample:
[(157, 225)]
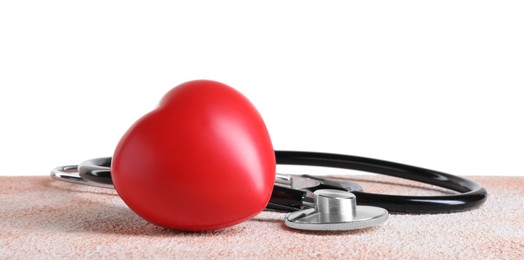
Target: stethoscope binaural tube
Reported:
[(97, 172)]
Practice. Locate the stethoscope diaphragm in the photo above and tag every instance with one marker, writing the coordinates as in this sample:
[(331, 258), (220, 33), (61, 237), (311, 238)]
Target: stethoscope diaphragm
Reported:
[(336, 210)]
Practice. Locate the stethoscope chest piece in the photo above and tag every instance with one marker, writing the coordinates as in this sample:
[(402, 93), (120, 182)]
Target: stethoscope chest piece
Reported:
[(336, 210)]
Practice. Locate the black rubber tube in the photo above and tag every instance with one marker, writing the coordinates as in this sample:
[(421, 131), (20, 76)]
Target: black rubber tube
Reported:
[(471, 194)]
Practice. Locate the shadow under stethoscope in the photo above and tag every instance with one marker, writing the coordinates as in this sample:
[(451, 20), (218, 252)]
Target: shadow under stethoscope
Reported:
[(398, 186), (70, 187)]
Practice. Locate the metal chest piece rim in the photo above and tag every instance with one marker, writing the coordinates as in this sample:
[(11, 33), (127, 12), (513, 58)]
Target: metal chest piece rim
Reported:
[(336, 210)]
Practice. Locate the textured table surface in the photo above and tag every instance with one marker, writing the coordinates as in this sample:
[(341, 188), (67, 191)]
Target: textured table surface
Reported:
[(44, 218)]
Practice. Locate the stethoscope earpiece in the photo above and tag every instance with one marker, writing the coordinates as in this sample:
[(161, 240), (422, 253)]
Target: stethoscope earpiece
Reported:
[(336, 210)]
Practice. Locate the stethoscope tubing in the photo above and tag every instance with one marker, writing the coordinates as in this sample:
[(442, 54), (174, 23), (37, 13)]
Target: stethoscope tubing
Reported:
[(97, 172), (471, 195)]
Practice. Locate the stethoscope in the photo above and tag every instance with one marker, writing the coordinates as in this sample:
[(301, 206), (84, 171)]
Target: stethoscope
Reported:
[(323, 204), (203, 160)]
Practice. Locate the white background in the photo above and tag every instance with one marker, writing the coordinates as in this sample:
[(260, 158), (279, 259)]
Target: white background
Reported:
[(430, 83)]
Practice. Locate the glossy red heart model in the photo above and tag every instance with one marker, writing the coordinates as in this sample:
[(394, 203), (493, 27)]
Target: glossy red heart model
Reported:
[(202, 160)]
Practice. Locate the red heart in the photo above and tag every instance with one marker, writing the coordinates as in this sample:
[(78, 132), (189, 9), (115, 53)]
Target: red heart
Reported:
[(202, 160)]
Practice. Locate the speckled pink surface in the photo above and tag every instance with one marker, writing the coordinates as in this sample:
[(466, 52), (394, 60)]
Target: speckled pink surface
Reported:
[(44, 218)]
